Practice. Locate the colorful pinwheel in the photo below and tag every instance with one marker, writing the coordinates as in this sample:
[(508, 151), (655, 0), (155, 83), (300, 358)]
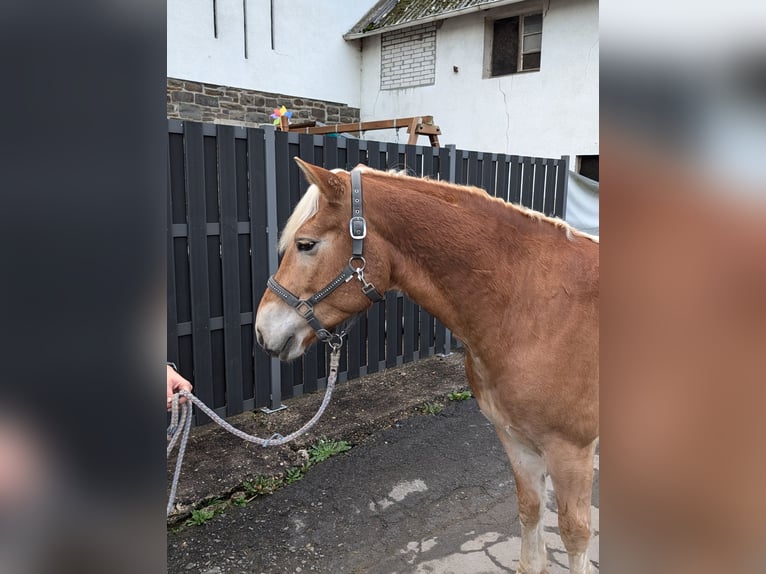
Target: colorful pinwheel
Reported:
[(278, 113)]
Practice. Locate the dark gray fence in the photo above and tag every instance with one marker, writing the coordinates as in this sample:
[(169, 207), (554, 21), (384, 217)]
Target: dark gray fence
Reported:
[(225, 185)]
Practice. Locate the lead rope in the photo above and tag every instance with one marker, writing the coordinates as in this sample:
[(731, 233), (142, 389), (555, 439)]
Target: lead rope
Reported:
[(180, 423)]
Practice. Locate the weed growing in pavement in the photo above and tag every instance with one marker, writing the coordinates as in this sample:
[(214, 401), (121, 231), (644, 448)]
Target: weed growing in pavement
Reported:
[(431, 408), (200, 516), (459, 395), (325, 448), (295, 473), (262, 485)]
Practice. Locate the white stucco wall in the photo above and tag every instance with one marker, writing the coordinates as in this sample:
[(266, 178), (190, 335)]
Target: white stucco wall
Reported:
[(310, 57), (548, 113)]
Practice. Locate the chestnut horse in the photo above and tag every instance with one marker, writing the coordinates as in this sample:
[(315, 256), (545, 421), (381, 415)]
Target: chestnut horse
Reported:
[(519, 289)]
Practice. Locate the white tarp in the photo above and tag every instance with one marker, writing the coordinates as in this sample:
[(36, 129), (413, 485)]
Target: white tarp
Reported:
[(582, 203)]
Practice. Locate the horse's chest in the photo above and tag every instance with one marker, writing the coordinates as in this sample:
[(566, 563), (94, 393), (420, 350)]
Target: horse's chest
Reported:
[(491, 395)]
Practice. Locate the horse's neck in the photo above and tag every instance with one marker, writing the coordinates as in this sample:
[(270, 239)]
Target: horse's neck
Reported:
[(458, 260)]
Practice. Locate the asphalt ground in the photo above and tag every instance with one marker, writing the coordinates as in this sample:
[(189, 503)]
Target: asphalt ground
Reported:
[(416, 492)]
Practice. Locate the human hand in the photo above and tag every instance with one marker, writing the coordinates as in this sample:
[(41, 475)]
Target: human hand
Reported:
[(176, 383)]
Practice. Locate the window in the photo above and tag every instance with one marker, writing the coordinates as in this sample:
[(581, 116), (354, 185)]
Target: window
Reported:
[(516, 44), (588, 166)]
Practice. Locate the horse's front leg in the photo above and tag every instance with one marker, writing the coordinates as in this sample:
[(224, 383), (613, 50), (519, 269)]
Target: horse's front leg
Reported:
[(571, 469), (529, 471)]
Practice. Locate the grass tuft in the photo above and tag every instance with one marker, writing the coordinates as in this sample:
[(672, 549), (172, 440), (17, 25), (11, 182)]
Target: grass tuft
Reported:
[(326, 448)]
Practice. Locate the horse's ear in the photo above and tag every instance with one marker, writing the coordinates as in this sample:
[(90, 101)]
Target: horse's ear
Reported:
[(329, 184)]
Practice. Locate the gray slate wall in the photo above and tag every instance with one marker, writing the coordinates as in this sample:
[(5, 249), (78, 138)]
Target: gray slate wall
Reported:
[(196, 101)]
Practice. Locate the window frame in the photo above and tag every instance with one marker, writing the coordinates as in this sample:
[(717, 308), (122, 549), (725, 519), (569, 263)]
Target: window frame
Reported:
[(489, 46)]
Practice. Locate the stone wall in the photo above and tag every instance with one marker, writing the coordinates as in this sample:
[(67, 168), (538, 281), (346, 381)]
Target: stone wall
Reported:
[(187, 100)]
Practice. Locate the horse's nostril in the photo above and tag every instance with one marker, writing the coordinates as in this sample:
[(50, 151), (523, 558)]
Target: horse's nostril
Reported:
[(259, 337)]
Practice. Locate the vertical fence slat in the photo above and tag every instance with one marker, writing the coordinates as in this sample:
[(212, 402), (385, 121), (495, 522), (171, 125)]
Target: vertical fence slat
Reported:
[(474, 175), (198, 266), (272, 226), (562, 185), (170, 287), (515, 180), (392, 156), (458, 168), (526, 182), (501, 185), (410, 317), (411, 160), (259, 252), (232, 336), (488, 174), (550, 188), (246, 328), (539, 189), (392, 327)]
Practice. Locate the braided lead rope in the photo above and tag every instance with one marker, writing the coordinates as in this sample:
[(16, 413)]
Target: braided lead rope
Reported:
[(180, 424)]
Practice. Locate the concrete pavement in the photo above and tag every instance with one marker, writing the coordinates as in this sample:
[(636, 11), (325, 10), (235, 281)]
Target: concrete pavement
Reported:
[(430, 494)]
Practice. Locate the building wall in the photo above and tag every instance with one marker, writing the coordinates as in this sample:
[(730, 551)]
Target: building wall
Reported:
[(548, 113), (212, 103), (309, 58)]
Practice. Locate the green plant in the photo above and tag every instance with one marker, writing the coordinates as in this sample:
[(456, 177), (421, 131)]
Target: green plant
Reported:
[(459, 395), (240, 499), (200, 516), (261, 485), (431, 408), (294, 474), (325, 448)]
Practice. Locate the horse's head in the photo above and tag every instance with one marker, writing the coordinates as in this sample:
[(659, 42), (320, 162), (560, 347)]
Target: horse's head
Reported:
[(318, 284)]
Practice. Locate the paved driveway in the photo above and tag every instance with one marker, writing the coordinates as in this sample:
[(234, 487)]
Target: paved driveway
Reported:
[(431, 494)]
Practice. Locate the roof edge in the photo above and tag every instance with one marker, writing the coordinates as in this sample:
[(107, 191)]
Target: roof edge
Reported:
[(443, 16)]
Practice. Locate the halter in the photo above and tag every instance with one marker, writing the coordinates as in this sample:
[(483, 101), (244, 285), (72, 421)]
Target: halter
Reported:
[(357, 227)]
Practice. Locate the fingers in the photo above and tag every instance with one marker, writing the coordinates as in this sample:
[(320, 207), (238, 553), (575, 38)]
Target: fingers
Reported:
[(176, 383)]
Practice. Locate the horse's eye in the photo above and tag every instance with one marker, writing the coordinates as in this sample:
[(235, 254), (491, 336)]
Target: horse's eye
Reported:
[(305, 245)]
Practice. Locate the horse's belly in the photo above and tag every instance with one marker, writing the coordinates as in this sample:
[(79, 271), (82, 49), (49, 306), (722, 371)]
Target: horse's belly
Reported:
[(532, 408)]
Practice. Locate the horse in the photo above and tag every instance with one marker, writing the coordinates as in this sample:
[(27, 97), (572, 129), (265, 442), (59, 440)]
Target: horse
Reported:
[(519, 289)]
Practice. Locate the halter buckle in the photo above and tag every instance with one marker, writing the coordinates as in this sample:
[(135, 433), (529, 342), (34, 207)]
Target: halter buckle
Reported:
[(305, 309), (357, 226)]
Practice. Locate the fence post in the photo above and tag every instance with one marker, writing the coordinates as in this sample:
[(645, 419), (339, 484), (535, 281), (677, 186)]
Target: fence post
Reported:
[(564, 187), (272, 231), (452, 170), (452, 161)]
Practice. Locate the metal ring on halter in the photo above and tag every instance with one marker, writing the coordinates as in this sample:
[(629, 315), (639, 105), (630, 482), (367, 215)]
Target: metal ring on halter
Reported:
[(335, 341), (360, 258)]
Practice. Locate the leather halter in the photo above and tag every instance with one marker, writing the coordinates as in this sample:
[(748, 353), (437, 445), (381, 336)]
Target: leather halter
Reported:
[(357, 226)]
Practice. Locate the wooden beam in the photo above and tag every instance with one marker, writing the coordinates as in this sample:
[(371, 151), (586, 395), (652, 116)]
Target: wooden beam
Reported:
[(415, 125), (366, 126)]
